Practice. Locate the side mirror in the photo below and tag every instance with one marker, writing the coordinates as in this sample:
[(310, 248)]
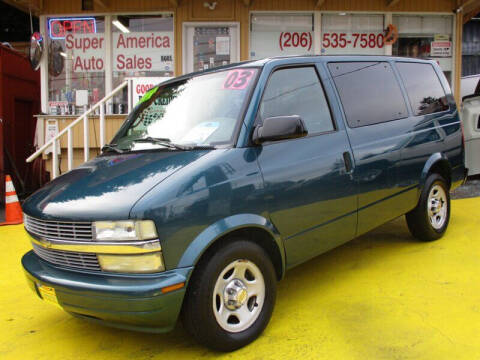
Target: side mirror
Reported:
[(279, 128)]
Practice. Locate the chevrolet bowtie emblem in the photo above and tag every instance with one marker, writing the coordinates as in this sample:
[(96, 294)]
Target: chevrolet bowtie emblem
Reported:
[(46, 243)]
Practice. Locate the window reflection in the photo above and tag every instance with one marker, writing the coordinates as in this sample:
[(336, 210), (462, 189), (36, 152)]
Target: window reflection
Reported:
[(297, 92), (424, 89)]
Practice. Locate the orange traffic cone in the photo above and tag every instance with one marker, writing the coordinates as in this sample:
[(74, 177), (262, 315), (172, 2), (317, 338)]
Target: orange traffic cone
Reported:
[(13, 211)]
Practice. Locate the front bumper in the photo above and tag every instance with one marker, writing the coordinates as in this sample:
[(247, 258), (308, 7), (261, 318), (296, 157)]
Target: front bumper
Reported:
[(126, 301)]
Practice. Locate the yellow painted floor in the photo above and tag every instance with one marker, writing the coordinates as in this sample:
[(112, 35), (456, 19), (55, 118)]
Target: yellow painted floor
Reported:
[(382, 296)]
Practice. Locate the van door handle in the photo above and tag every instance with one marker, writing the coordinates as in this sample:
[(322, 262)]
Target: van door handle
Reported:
[(347, 158)]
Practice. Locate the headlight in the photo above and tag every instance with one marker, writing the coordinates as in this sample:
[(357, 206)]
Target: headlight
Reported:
[(147, 263), (124, 230)]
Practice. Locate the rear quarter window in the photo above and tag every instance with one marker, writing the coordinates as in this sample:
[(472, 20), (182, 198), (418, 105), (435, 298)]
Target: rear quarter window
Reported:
[(424, 89), (369, 92)]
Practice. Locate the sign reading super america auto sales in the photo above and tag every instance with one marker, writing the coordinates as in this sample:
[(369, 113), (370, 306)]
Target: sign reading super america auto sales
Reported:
[(136, 51)]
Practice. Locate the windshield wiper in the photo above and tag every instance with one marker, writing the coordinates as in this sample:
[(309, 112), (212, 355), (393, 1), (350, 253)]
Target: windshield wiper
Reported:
[(150, 139), (112, 147), (168, 143), (200, 147)]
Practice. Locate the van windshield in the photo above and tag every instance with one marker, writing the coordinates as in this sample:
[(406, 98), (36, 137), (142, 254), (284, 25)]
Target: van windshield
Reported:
[(202, 111)]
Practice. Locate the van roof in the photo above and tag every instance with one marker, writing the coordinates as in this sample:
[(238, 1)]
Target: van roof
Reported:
[(321, 58), (329, 58), (285, 60)]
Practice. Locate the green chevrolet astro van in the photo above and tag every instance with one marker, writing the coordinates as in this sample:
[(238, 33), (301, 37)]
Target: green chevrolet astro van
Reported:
[(220, 181)]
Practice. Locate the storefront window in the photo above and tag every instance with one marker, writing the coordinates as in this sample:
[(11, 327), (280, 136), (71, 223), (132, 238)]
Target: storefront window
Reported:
[(76, 63), (360, 34), (278, 35), (143, 48), (427, 37)]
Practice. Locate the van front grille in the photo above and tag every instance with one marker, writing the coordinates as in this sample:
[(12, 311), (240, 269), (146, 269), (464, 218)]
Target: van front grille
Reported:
[(58, 230), (71, 259)]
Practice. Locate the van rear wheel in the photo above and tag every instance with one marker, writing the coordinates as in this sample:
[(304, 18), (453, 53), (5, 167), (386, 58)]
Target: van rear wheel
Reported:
[(429, 220), (231, 296)]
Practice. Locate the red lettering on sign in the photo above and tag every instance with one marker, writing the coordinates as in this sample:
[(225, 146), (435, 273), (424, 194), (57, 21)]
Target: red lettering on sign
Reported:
[(133, 63), (148, 41), (143, 88), (89, 27), (90, 64), (59, 28), (56, 29), (354, 40), (295, 39), (83, 43)]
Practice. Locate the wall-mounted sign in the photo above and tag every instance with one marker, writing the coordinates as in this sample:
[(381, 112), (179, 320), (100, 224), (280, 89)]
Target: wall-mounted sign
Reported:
[(51, 131), (441, 37), (140, 85), (441, 49), (58, 28), (222, 45)]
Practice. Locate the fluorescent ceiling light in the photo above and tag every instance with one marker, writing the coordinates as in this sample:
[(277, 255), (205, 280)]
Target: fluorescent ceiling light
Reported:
[(342, 13), (120, 26)]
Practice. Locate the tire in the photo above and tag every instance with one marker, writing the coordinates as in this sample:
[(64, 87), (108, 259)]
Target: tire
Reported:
[(210, 310), (429, 220)]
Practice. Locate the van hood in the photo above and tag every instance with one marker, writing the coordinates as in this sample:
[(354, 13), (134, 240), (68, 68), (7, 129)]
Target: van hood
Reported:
[(107, 187)]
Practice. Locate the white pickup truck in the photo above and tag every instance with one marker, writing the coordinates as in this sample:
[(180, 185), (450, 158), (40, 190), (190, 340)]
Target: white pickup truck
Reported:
[(470, 114)]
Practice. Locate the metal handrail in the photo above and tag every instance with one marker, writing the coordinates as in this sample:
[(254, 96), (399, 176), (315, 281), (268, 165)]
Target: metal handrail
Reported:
[(86, 151)]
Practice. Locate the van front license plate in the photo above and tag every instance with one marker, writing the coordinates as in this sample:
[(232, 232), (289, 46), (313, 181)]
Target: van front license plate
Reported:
[(48, 294)]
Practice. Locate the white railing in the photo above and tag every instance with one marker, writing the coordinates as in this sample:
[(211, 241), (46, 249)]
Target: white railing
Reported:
[(69, 130)]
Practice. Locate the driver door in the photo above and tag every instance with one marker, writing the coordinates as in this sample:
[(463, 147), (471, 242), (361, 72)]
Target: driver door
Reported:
[(311, 194)]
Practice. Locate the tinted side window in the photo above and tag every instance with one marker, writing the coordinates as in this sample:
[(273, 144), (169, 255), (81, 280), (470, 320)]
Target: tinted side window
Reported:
[(424, 89), (369, 92), (297, 91)]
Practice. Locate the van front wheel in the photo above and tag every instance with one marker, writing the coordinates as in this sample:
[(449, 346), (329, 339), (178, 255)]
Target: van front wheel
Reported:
[(429, 220), (230, 297)]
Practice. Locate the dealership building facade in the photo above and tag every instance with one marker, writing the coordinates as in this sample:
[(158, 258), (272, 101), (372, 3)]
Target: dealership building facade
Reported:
[(91, 47)]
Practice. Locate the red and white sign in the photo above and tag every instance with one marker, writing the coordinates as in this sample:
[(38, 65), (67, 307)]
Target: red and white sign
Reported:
[(143, 51), (142, 84), (441, 49)]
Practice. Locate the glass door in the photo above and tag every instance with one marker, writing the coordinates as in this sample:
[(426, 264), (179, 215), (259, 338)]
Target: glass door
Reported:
[(209, 45)]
